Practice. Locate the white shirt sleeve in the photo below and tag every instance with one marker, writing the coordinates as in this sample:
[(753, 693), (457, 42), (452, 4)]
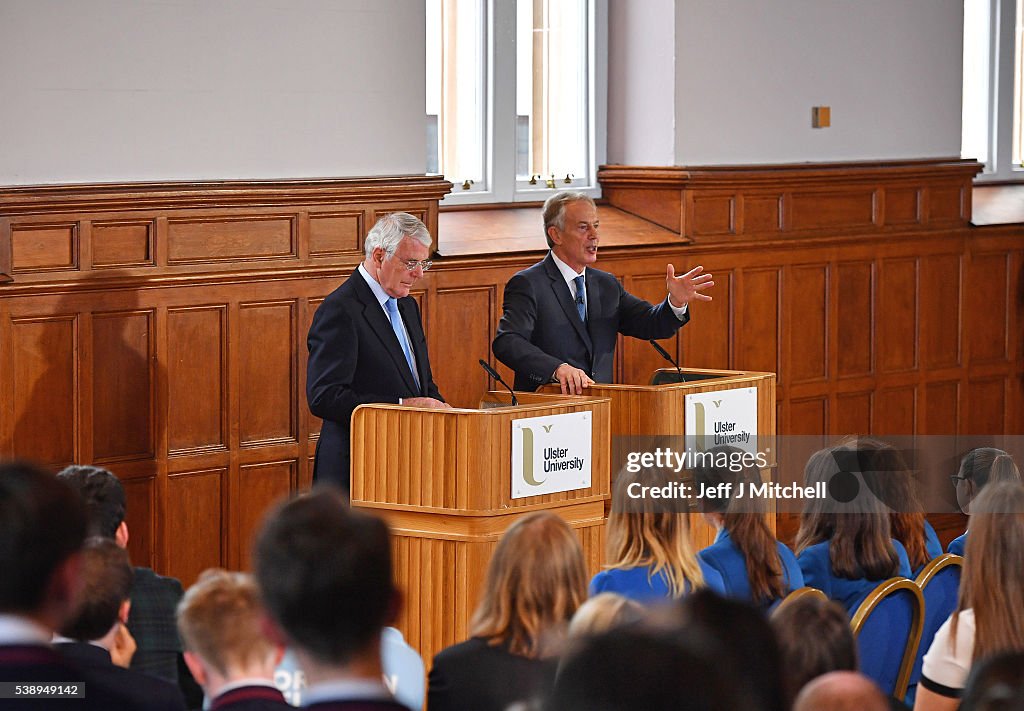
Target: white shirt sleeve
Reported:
[(945, 664)]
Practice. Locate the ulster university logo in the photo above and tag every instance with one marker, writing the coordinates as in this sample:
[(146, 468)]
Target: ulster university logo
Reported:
[(528, 475)]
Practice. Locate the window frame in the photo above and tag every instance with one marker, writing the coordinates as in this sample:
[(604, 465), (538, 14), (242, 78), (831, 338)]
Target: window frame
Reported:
[(502, 183)]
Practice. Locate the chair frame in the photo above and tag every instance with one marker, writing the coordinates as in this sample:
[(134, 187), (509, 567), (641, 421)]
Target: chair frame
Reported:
[(806, 591), (874, 598), (935, 565)]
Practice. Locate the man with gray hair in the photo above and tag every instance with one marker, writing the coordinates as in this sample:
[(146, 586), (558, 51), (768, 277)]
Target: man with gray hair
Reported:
[(366, 343), (562, 316)]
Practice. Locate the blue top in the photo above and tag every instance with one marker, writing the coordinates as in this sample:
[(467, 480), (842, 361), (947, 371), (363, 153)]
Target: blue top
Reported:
[(638, 584), (958, 544), (728, 560), (816, 565), (932, 544)]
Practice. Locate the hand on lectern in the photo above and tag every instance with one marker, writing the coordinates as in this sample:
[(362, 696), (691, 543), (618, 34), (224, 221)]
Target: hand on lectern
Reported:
[(424, 402), (572, 380)]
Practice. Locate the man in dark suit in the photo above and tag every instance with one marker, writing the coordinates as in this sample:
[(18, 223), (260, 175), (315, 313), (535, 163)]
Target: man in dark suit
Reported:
[(154, 597), (42, 527), (366, 343), (325, 574), (92, 638), (562, 317)]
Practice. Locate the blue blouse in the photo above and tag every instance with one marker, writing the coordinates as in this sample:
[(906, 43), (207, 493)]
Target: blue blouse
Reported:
[(638, 584), (816, 565), (958, 544), (726, 558)]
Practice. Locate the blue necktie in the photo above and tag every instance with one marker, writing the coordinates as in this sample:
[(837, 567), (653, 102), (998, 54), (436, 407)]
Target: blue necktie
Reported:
[(581, 305), (396, 324)]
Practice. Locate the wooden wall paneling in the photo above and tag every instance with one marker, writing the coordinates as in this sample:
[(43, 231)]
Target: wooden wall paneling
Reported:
[(337, 233), (853, 208), (759, 321), (854, 319), (897, 315), (194, 516), (123, 382), (44, 247), (140, 515), (122, 243), (895, 411), (196, 373), (217, 238), (903, 206), (940, 311), (806, 303), (987, 406), (267, 385), (947, 203), (851, 413), (942, 408), (459, 334), (707, 340), (987, 291), (807, 417), (45, 388), (257, 489), (637, 360)]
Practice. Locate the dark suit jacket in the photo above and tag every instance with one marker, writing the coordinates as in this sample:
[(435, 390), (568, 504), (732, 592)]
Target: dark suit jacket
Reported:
[(541, 329), (476, 675), (139, 688), (151, 621), (355, 359), (35, 663), (251, 698)]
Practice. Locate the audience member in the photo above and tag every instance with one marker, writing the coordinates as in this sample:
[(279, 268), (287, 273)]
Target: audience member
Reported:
[(324, 571), (649, 552), (844, 547), (154, 597), (979, 467), (754, 566), (602, 613), (220, 622), (535, 582), (42, 528), (887, 474), (995, 684), (841, 691), (88, 638), (630, 668), (989, 617), (815, 638), (748, 648)]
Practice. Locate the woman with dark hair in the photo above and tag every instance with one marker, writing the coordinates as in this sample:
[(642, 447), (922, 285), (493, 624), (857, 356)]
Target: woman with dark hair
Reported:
[(978, 468), (650, 556), (989, 616), (754, 566), (845, 548), (535, 582)]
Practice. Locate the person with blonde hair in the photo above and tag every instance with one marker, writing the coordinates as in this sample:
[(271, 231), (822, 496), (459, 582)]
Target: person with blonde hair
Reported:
[(649, 552), (535, 582), (989, 616), (220, 623), (602, 613)]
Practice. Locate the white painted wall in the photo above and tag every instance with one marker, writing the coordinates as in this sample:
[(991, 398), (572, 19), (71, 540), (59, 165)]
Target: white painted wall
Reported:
[(749, 71), (641, 82), (126, 90)]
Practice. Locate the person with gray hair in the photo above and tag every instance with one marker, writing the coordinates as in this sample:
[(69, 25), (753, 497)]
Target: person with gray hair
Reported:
[(562, 317), (366, 343)]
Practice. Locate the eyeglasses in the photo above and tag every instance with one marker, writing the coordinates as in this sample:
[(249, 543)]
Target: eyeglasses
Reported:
[(411, 264), (956, 479)]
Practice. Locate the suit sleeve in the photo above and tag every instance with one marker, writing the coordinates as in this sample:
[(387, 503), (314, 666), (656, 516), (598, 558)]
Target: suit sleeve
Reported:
[(513, 344), (641, 319), (333, 354)]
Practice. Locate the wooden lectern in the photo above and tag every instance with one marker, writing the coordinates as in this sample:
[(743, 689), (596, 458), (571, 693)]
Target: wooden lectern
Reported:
[(442, 479), (649, 410)]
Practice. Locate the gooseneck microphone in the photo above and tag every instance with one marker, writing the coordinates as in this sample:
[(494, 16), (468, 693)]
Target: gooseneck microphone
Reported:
[(494, 374), (665, 354)]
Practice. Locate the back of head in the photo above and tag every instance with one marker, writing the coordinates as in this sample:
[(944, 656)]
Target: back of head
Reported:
[(988, 464), (42, 523), (628, 669), (814, 638), (103, 495), (992, 584), (749, 649), (106, 578), (220, 620), (535, 581), (651, 532), (995, 684), (841, 691), (604, 612), (325, 574)]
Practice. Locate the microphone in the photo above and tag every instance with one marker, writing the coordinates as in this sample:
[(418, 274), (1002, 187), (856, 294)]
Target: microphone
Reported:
[(665, 354), (494, 374)]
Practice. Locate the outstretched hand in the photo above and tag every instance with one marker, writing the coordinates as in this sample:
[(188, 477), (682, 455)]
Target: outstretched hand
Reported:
[(686, 287)]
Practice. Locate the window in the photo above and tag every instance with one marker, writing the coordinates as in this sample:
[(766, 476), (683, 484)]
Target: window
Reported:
[(515, 96), (993, 87)]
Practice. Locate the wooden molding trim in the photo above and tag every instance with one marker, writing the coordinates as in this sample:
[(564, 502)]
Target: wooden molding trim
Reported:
[(711, 203), (42, 199)]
